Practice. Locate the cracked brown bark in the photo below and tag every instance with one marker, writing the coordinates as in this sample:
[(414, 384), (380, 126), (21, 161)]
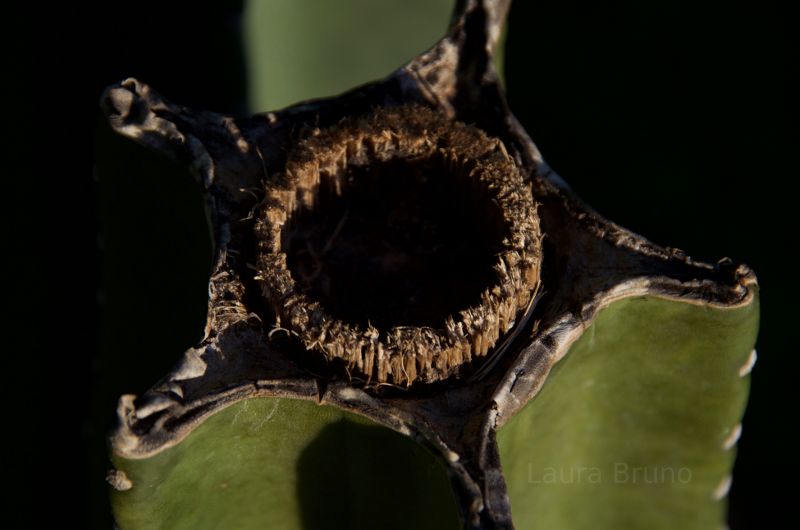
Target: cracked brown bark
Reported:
[(588, 262)]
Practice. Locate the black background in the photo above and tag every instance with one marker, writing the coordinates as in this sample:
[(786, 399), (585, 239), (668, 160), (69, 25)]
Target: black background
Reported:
[(671, 118)]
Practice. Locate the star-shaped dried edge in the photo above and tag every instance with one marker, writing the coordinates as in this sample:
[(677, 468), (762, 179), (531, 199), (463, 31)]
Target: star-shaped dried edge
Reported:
[(588, 263)]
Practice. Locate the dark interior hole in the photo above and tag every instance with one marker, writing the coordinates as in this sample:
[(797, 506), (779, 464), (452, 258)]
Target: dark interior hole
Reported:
[(405, 244)]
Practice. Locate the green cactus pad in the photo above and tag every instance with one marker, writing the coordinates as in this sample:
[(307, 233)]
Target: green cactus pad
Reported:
[(286, 463), (635, 427)]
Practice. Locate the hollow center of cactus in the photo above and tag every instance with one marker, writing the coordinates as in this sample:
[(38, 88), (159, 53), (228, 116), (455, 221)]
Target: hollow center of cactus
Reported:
[(400, 243)]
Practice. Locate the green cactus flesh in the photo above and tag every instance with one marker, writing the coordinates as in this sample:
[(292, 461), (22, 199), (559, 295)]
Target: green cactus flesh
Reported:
[(635, 427), (286, 463)]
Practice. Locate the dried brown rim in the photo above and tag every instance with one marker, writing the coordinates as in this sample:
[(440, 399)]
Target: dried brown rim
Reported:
[(402, 354)]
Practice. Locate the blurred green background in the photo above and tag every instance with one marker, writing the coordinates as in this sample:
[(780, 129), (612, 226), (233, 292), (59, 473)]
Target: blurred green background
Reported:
[(670, 118), (298, 50)]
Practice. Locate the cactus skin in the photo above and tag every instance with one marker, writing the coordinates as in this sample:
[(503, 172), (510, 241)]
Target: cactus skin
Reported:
[(640, 421), (290, 464), (590, 264)]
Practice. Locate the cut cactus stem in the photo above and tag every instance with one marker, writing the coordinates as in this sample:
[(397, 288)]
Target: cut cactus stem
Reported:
[(290, 378), (431, 152)]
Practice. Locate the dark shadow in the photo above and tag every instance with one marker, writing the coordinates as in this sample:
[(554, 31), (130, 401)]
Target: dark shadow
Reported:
[(666, 119), (135, 243), (355, 476)]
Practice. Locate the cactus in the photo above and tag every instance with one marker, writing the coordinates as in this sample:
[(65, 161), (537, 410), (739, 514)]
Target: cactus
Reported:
[(573, 375)]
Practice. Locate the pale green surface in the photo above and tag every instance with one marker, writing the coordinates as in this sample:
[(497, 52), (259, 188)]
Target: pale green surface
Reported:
[(286, 464), (302, 49), (652, 385)]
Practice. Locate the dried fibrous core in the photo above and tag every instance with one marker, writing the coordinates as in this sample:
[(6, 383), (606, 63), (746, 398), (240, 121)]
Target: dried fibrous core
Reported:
[(403, 243)]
